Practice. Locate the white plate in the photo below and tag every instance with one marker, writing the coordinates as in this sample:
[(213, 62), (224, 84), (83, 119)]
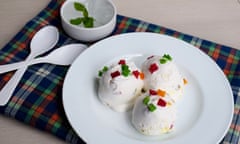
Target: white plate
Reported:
[(204, 113)]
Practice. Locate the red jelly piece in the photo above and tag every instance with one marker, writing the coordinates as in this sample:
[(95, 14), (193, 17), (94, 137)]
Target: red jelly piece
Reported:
[(153, 68), (152, 92), (115, 74), (162, 102), (122, 62), (136, 73)]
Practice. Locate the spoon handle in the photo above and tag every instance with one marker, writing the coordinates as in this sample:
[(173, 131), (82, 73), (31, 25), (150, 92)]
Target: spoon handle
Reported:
[(10, 67), (9, 88)]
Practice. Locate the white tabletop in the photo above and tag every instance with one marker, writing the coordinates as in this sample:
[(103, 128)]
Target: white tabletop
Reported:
[(215, 20)]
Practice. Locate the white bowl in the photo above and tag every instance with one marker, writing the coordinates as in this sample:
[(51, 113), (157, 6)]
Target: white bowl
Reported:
[(103, 11)]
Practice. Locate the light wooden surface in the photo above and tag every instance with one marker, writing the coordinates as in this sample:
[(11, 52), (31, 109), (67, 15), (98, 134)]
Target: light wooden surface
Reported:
[(215, 20)]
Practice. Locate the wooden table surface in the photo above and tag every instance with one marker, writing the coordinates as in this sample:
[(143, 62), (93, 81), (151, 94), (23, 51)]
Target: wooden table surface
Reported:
[(215, 20)]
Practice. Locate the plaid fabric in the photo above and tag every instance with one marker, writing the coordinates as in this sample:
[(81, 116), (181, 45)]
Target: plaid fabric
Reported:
[(37, 98)]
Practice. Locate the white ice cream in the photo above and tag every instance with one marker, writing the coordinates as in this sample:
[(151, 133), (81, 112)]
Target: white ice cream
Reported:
[(120, 92), (165, 76), (156, 122)]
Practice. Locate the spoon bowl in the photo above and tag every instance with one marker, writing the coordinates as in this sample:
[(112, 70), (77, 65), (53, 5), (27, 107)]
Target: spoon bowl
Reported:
[(64, 55), (44, 40)]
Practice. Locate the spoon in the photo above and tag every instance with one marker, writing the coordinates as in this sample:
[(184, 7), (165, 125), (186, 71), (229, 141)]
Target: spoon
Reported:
[(64, 55), (44, 40)]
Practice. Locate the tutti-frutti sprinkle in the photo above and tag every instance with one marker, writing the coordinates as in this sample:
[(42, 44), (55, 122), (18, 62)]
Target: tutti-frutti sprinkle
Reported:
[(122, 62), (136, 73), (146, 100), (152, 92), (125, 70), (161, 93), (167, 56), (150, 57), (142, 75), (162, 102), (185, 81), (165, 59), (153, 67), (151, 107), (104, 69), (115, 74)]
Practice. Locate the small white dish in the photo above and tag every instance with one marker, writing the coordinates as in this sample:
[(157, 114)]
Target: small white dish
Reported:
[(103, 11), (205, 111)]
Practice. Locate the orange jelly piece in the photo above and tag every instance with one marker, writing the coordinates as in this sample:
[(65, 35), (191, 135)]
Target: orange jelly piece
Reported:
[(161, 92)]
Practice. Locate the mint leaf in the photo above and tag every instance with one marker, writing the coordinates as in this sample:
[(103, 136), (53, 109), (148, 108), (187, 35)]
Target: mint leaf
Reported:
[(88, 22), (80, 7), (76, 21), (85, 13)]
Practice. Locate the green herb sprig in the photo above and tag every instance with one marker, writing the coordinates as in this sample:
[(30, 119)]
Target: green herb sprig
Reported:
[(87, 21)]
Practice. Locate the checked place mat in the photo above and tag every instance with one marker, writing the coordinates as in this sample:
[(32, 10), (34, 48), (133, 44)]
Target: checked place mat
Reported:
[(37, 100)]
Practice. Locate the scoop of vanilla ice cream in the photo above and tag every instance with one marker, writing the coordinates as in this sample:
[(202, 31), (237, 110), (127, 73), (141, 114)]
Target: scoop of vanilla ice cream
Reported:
[(118, 91), (153, 121), (163, 75)]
